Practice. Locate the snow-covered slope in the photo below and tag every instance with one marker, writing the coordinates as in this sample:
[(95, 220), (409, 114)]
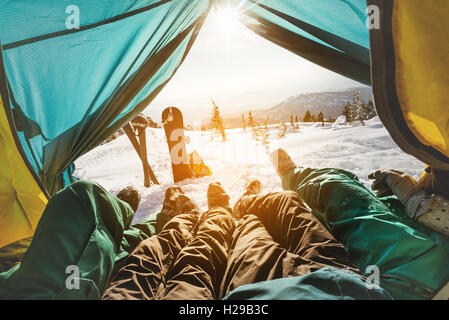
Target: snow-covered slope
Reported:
[(360, 149), (330, 103)]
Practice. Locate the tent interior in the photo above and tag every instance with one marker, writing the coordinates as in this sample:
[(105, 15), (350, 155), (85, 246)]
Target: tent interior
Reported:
[(65, 90)]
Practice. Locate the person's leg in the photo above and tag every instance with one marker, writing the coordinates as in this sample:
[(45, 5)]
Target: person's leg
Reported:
[(186, 260), (256, 257), (77, 237), (276, 237), (198, 269), (371, 233), (132, 237), (143, 274), (295, 228)]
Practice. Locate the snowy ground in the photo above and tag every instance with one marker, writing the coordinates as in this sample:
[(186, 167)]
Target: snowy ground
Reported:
[(360, 149)]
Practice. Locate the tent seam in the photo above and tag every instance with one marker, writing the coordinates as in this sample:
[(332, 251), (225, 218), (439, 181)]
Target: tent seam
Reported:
[(20, 43)]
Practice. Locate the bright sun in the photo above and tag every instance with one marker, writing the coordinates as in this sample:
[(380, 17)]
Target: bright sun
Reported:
[(226, 20)]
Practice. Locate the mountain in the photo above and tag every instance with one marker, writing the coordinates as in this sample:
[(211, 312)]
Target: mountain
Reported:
[(330, 103)]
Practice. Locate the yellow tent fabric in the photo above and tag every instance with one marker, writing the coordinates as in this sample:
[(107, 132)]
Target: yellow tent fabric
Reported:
[(422, 59), (22, 202)]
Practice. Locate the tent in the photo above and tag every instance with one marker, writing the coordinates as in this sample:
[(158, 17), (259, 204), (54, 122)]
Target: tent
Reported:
[(66, 87)]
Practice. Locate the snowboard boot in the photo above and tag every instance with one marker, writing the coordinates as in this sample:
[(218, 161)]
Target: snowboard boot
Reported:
[(217, 197), (252, 187), (281, 162), (176, 202), (131, 196)]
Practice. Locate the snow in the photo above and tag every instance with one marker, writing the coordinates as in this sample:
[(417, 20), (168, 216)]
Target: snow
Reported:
[(341, 120), (361, 149)]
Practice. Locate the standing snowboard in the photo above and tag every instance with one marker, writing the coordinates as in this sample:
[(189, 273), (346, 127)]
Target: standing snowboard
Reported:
[(174, 132)]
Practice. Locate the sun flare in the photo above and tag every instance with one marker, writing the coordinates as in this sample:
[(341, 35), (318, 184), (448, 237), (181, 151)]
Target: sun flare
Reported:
[(227, 19)]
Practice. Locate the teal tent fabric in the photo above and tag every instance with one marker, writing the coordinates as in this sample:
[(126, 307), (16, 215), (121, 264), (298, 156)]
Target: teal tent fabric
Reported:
[(330, 33), (69, 89)]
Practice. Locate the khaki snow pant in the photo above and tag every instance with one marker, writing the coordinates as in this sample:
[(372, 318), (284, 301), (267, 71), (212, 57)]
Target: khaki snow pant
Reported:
[(206, 256)]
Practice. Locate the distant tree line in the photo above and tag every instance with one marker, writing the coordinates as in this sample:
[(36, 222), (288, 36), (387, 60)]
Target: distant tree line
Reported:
[(309, 117), (355, 110), (259, 132)]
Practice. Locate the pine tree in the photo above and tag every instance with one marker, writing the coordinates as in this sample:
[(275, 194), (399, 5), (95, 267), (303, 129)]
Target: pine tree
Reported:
[(355, 110), (282, 129), (370, 110), (251, 122), (348, 112), (307, 117), (364, 112), (296, 123), (217, 121), (292, 121), (321, 118), (253, 125), (243, 122), (264, 132), (358, 107), (373, 109)]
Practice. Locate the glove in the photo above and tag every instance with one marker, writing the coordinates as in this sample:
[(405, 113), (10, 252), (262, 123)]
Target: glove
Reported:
[(394, 182), (428, 209)]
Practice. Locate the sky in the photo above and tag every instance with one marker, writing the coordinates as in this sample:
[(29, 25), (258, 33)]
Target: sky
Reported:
[(240, 71)]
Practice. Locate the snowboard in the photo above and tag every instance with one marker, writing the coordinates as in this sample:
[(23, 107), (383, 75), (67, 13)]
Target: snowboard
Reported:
[(173, 123)]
